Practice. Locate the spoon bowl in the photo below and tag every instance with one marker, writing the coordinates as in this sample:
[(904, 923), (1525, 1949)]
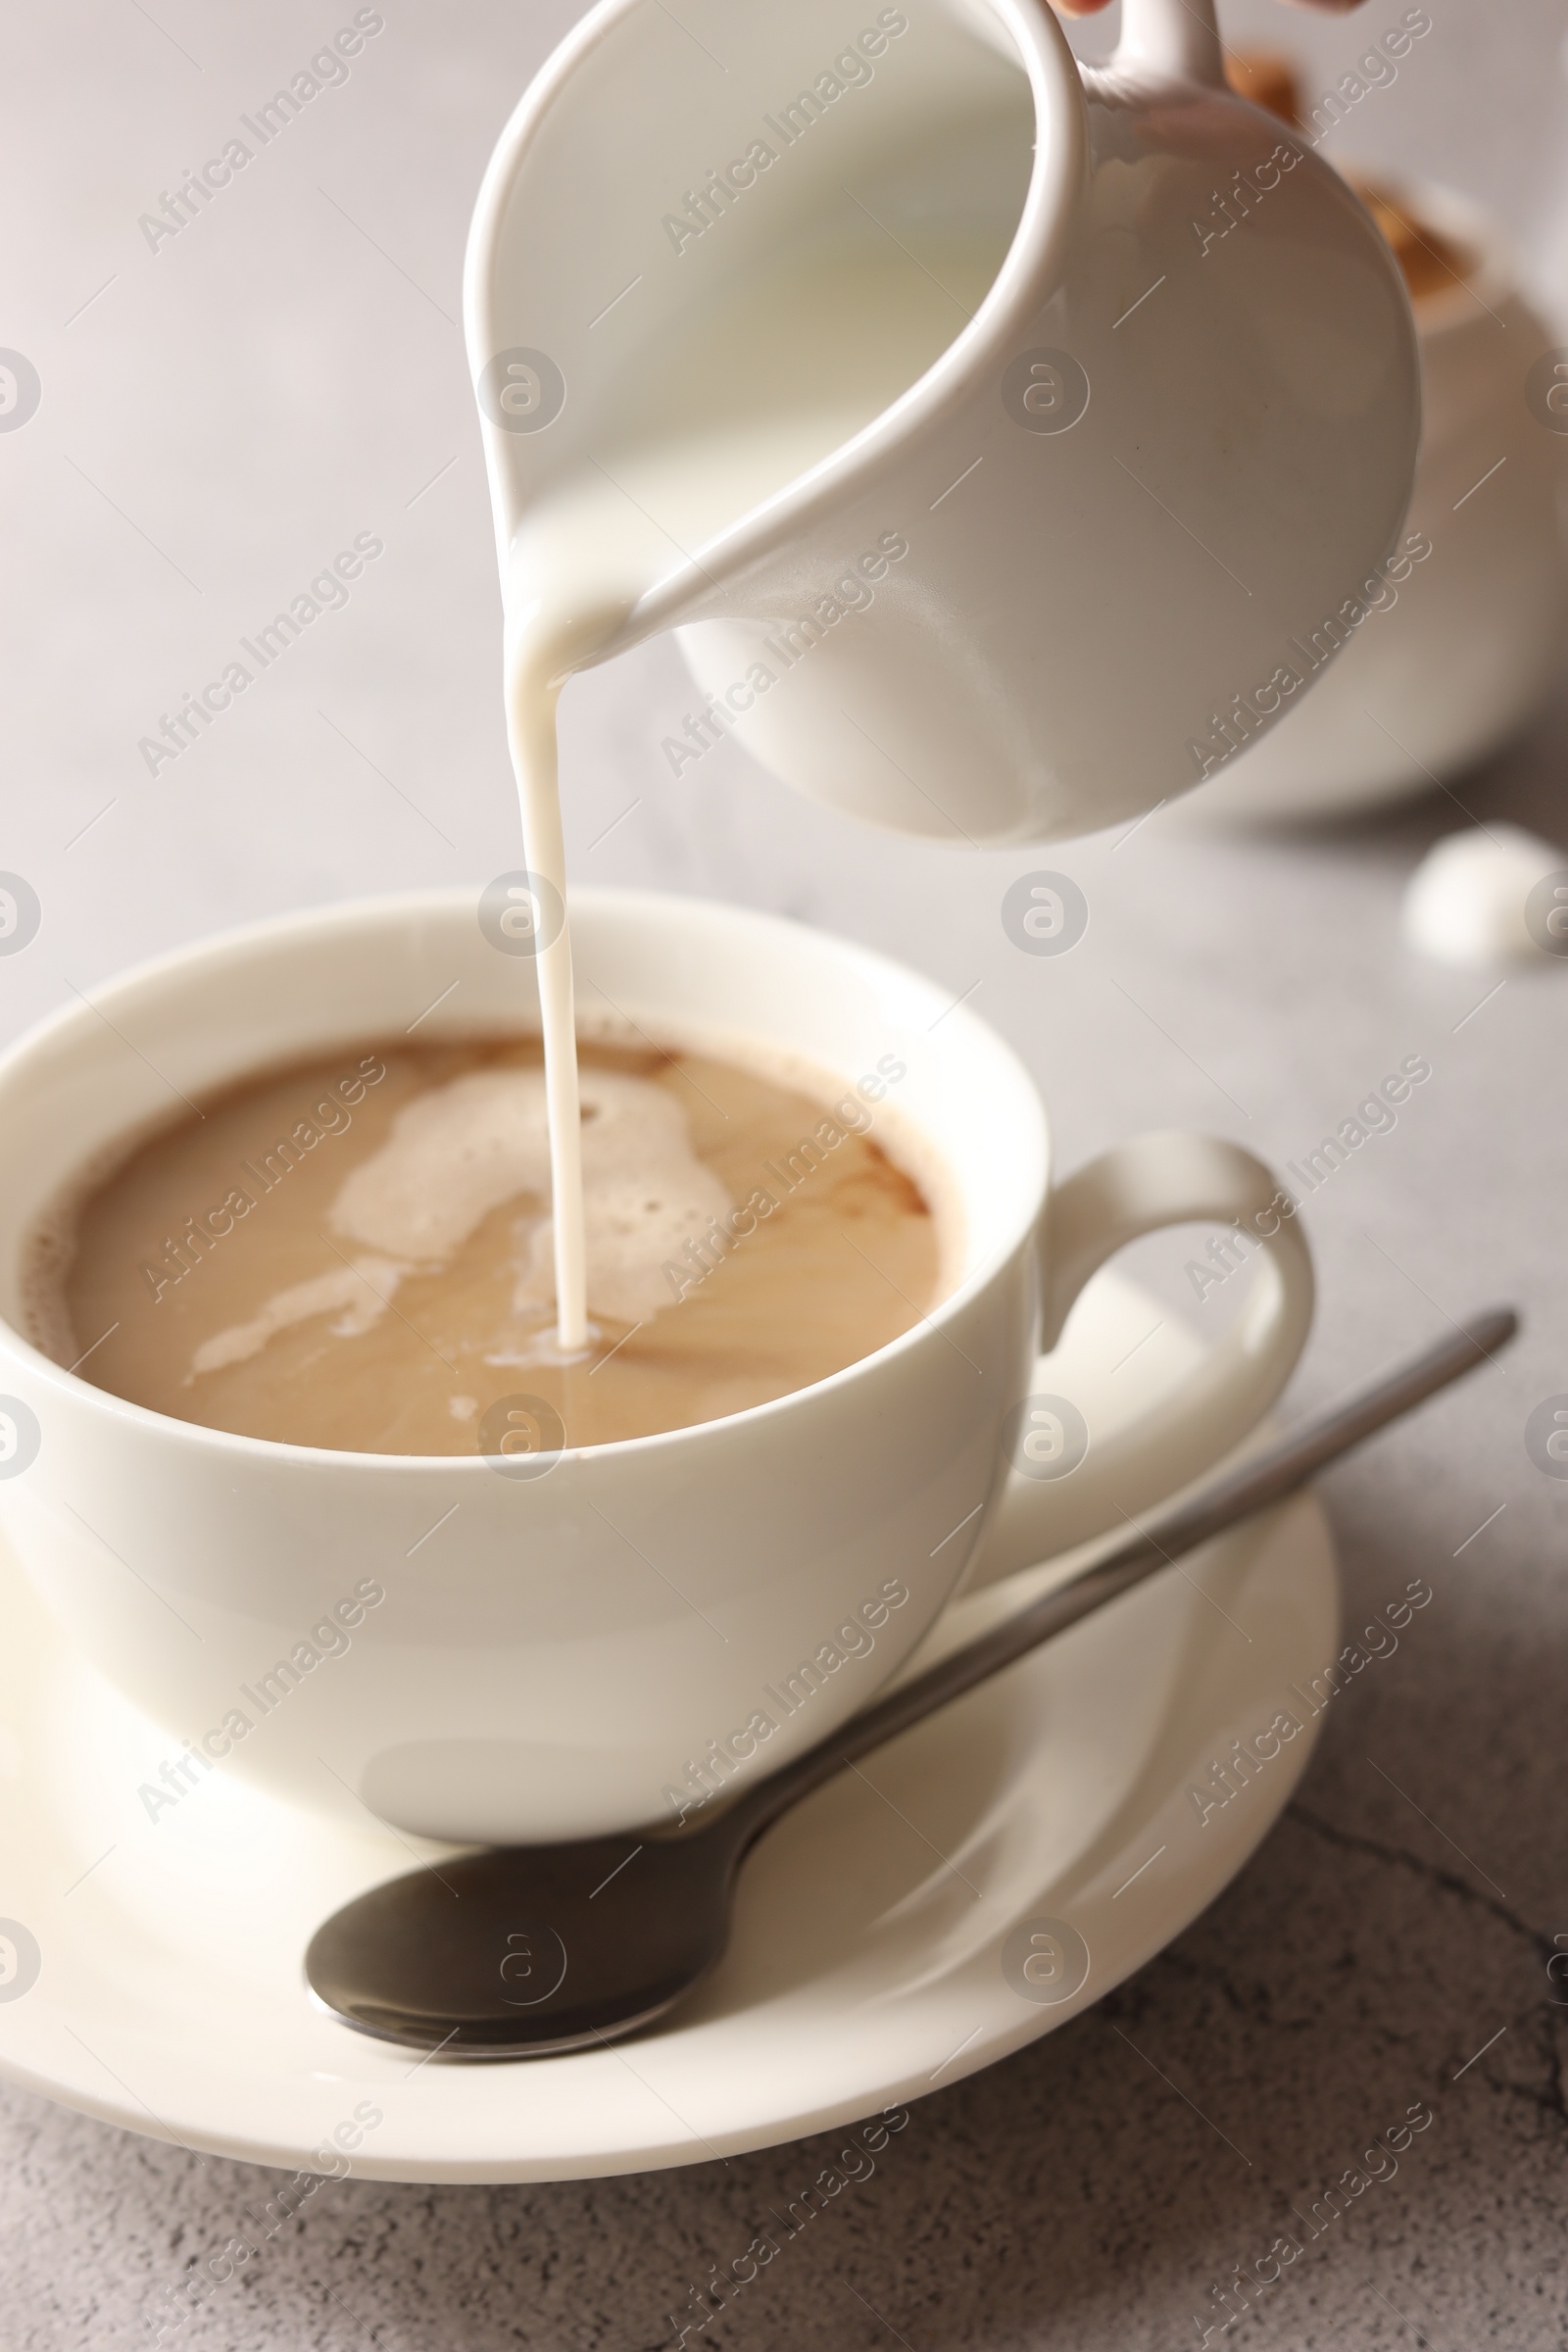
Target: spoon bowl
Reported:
[(520, 1951)]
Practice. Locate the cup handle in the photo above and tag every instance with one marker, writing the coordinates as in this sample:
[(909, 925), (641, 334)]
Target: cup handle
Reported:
[(1156, 1179), (1176, 40)]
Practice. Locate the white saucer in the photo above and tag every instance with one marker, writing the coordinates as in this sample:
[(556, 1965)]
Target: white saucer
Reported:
[(868, 1964)]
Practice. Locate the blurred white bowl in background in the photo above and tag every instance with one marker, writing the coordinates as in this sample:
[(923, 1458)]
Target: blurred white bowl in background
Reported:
[(1431, 684)]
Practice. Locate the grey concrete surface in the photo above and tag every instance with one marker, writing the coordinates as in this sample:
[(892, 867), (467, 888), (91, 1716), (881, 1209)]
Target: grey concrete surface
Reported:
[(220, 416)]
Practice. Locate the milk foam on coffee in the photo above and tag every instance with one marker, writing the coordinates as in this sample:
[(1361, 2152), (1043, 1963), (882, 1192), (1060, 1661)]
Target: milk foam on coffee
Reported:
[(723, 417), (462, 1150), (357, 1252)]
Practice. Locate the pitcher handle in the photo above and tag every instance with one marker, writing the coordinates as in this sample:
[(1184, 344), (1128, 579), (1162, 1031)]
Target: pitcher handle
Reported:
[(1176, 40)]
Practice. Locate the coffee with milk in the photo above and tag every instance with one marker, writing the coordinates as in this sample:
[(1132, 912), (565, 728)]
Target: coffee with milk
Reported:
[(356, 1251)]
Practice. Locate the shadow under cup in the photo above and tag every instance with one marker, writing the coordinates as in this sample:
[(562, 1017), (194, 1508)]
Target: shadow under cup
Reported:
[(557, 1655)]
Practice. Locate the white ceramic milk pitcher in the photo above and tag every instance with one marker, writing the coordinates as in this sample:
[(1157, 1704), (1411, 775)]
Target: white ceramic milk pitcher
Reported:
[(996, 433)]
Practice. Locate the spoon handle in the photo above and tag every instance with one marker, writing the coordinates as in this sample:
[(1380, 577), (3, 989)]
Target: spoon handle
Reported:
[(1265, 1478)]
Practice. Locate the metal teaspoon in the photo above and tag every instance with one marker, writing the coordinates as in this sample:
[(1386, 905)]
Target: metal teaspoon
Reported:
[(524, 1951)]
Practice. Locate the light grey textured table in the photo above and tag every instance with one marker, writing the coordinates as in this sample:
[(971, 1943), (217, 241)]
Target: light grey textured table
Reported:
[(219, 418)]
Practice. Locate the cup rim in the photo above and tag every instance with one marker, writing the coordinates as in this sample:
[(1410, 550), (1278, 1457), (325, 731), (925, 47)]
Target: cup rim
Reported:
[(376, 910), (1031, 268)]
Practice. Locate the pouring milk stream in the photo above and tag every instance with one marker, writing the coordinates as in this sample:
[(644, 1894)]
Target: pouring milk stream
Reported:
[(1119, 368)]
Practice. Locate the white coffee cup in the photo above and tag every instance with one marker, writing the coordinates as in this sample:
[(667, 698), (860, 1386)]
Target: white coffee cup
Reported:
[(555, 1650)]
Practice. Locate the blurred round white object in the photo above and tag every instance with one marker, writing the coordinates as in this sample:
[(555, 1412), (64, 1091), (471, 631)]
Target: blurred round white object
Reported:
[(1490, 895), (1463, 646)]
